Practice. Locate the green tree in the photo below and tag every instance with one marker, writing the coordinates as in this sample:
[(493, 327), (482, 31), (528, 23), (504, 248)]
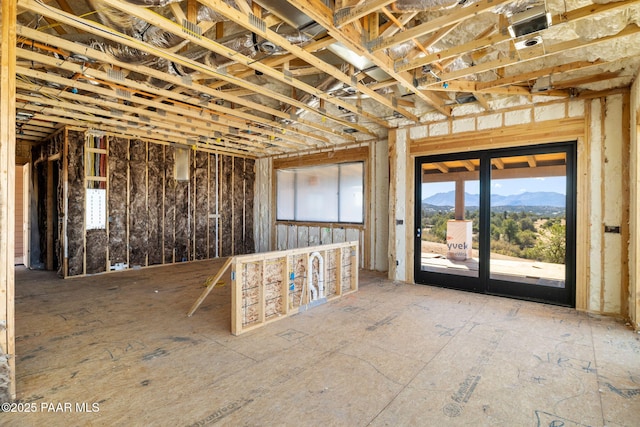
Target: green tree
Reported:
[(526, 239), (527, 224), (510, 229), (556, 250)]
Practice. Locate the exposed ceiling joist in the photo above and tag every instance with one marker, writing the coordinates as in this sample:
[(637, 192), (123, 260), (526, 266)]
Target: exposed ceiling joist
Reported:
[(267, 77)]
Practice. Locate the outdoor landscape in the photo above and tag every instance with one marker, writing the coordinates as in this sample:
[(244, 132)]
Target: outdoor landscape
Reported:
[(529, 225)]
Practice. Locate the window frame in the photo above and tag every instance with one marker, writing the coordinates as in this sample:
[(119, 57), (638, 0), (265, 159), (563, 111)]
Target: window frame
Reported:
[(340, 166)]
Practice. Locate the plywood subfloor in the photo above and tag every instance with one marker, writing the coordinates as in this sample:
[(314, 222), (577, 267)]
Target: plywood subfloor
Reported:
[(391, 354)]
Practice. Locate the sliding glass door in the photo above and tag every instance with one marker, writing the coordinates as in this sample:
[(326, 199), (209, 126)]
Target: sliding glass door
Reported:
[(499, 222)]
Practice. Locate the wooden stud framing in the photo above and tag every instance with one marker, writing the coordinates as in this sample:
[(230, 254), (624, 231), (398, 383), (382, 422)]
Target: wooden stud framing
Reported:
[(600, 226), (286, 261), (164, 198), (8, 11), (50, 217), (583, 214), (146, 196), (106, 226), (626, 206)]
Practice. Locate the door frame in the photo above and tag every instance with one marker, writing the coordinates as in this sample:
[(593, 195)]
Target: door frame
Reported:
[(483, 283)]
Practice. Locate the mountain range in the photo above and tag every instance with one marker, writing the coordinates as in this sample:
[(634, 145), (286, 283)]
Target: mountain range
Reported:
[(538, 198)]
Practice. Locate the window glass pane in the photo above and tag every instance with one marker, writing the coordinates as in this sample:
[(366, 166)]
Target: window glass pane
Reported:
[(351, 176), (317, 194), (286, 194)]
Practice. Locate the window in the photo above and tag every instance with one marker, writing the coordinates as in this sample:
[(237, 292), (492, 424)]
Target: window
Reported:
[(331, 193)]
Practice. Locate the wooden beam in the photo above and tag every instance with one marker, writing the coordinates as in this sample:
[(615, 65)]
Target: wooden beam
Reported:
[(482, 100), (150, 120), (531, 160), (352, 39), (192, 10), (539, 172), (441, 167), (353, 14), (564, 84), (159, 113), (100, 30), (523, 77), (8, 39), (436, 24), (299, 52), (469, 165), (219, 110), (500, 37), (459, 203), (556, 49), (239, 18), (402, 20)]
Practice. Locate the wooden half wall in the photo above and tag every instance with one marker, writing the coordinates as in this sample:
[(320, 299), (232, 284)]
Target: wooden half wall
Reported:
[(269, 286)]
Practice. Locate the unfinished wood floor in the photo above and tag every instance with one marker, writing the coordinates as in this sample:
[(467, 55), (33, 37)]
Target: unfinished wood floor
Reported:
[(391, 354)]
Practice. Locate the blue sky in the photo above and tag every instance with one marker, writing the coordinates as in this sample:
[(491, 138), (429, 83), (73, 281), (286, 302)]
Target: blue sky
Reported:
[(504, 187)]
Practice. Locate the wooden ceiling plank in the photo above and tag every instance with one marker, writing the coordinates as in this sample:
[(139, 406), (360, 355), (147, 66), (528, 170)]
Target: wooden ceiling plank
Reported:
[(436, 24)]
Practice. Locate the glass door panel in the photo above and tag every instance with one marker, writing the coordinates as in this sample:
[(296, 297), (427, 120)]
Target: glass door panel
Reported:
[(528, 219), (449, 217)]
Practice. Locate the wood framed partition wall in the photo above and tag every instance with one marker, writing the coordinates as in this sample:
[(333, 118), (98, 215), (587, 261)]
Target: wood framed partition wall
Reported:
[(122, 205), (273, 285)]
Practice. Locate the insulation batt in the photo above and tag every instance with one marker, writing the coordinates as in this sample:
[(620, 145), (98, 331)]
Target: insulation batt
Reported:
[(118, 148), (423, 5), (155, 203), (401, 50), (518, 6), (76, 203)]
